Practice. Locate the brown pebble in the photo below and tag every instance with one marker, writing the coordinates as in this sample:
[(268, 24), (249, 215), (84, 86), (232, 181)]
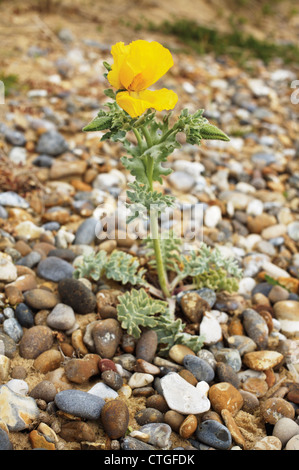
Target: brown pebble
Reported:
[(275, 408), (77, 431), (44, 390), (255, 385), (106, 336), (67, 349), (270, 377), (112, 379), (250, 402), (47, 361), (143, 392), (146, 367), (149, 415), (158, 402), (224, 395), (178, 352), (22, 247), (235, 327), (77, 342), (115, 418), (19, 372), (188, 376), (147, 345), (293, 394), (38, 441), (233, 428), (13, 294), (107, 364), (211, 415), (35, 341), (262, 360), (174, 420), (194, 306), (41, 299), (188, 427), (80, 370)]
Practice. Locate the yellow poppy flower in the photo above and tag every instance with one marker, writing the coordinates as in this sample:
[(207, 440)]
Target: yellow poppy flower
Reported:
[(136, 67)]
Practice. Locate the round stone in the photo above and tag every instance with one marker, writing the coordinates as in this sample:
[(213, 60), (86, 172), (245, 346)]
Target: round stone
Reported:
[(115, 418), (35, 341), (273, 409), (188, 427), (229, 356), (75, 294), (44, 390), (199, 368), (214, 434), (158, 434), (51, 143), (224, 395), (62, 317), (81, 370), (149, 415), (225, 373), (193, 306), (47, 361), (293, 443), (256, 328), (77, 431), (40, 299), (284, 429), (112, 379)]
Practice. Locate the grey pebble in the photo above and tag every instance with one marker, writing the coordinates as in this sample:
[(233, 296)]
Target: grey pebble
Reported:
[(78, 403), (10, 198), (12, 328), (51, 143), (54, 269), (214, 434), (30, 260), (86, 232), (199, 368), (62, 317), (5, 443), (130, 443), (229, 356), (24, 315), (159, 434)]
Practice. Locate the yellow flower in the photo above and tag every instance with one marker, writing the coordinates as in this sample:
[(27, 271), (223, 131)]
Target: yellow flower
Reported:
[(136, 67)]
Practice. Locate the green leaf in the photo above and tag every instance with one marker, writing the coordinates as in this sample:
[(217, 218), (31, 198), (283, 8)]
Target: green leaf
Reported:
[(136, 309), (91, 266), (101, 122), (125, 268)]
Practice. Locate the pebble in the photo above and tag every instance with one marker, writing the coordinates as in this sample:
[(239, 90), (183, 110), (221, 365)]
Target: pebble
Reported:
[(12, 328), (226, 373), (75, 294), (54, 269), (106, 336), (233, 428), (112, 379), (85, 234), (130, 443), (194, 400), (229, 356), (224, 395), (210, 329), (115, 418), (5, 364), (242, 343), (262, 360), (194, 306), (10, 198), (287, 312), (18, 155), (149, 415), (273, 409), (293, 443), (212, 216), (256, 328), (284, 429), (18, 386), (158, 434), (268, 443), (138, 379), (188, 427), (255, 385), (178, 352), (79, 403), (28, 230), (62, 317), (44, 390), (147, 345), (35, 341), (81, 370), (51, 143), (16, 411), (214, 434), (5, 443), (47, 361), (199, 368), (102, 390), (8, 271), (77, 431), (40, 299)]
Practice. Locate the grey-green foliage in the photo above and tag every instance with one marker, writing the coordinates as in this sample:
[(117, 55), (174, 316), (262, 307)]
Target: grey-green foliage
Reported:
[(119, 266), (207, 266), (136, 310)]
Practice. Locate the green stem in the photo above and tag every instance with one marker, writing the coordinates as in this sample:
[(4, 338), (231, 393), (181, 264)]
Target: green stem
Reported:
[(139, 138), (155, 234)]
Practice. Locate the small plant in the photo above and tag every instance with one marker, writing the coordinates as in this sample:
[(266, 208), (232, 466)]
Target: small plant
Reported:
[(136, 309), (119, 266), (132, 110)]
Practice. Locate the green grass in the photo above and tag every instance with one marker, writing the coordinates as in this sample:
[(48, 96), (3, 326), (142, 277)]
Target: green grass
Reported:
[(235, 44)]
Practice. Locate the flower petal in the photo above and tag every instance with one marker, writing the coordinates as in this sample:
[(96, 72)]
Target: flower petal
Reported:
[(145, 63), (136, 103), (119, 52)]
